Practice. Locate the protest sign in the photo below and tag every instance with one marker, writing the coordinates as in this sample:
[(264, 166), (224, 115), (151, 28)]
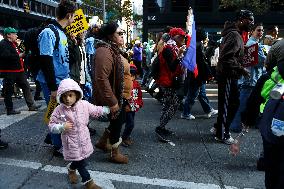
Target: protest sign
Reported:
[(50, 108), (250, 55), (79, 24)]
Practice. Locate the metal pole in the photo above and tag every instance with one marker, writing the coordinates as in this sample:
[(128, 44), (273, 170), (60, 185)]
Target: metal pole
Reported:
[(104, 11)]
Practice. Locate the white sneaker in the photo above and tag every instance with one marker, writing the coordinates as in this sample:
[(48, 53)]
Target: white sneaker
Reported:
[(229, 140), (188, 117), (212, 113), (213, 130)]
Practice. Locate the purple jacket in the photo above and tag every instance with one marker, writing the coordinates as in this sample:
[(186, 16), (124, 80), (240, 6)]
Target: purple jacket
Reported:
[(76, 141), (137, 53)]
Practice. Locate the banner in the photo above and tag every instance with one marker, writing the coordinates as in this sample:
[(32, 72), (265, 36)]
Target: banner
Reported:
[(50, 108), (79, 24), (250, 56)]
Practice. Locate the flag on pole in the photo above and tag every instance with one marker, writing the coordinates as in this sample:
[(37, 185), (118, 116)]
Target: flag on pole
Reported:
[(189, 60)]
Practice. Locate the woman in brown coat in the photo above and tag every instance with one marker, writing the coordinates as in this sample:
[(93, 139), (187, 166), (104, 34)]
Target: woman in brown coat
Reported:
[(112, 86)]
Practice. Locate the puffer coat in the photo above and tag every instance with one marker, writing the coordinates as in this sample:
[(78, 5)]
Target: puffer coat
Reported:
[(76, 142)]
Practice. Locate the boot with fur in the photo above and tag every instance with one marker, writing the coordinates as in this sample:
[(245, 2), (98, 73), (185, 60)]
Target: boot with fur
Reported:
[(103, 142), (90, 184), (116, 156), (73, 178)]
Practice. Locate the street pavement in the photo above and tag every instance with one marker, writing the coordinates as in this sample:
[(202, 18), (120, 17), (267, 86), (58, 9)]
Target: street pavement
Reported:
[(194, 160)]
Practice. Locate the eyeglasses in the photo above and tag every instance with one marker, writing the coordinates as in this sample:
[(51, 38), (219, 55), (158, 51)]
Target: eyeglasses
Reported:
[(260, 30), (120, 33)]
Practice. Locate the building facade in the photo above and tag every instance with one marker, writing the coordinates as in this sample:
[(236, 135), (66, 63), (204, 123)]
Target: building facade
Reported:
[(157, 14)]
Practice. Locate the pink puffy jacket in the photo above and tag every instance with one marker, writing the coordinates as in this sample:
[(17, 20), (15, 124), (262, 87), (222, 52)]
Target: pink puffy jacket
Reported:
[(76, 142)]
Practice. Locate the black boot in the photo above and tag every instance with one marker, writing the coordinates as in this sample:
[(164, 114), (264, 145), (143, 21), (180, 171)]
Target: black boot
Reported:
[(13, 112)]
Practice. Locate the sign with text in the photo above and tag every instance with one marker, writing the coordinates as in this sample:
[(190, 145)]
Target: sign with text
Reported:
[(250, 55), (79, 24), (50, 108)]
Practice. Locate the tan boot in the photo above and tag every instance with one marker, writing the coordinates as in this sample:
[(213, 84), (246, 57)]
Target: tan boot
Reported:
[(116, 156), (73, 178), (103, 142), (90, 184)]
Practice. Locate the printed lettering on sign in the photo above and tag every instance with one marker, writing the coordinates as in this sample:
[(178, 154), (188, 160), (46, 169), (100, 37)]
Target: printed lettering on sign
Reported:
[(79, 24), (250, 55)]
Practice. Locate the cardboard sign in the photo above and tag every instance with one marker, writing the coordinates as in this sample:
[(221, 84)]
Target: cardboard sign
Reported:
[(50, 108), (250, 55), (79, 24)]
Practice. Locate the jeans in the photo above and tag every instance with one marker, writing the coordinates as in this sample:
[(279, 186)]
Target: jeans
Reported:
[(129, 125), (195, 91), (81, 167), (244, 95), (55, 138)]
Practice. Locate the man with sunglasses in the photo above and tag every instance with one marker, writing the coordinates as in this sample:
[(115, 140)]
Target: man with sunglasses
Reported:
[(229, 70)]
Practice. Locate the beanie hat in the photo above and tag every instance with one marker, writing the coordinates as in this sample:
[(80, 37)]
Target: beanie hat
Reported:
[(133, 69), (176, 31)]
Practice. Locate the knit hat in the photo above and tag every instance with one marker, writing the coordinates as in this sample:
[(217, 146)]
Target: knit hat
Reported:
[(133, 69), (176, 31), (10, 30)]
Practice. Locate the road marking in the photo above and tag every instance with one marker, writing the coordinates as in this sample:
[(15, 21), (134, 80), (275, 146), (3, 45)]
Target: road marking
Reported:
[(104, 179), (6, 121)]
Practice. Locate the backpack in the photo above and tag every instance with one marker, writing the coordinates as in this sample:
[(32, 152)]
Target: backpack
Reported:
[(31, 44), (271, 125), (155, 67)]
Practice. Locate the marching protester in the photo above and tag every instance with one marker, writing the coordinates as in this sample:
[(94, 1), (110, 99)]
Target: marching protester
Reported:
[(169, 79), (112, 87), (70, 119), (197, 85), (256, 70), (54, 56), (229, 70), (12, 70)]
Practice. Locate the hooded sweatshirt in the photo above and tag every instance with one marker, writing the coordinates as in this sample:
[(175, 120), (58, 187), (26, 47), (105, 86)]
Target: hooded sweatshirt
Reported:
[(76, 141), (231, 52)]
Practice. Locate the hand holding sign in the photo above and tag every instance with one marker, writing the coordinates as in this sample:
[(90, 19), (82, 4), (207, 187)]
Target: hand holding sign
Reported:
[(79, 25)]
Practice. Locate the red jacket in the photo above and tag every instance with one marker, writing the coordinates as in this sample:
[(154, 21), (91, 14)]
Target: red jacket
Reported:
[(135, 100), (166, 58)]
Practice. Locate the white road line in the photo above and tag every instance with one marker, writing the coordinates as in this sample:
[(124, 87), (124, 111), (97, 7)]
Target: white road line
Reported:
[(6, 121), (195, 100), (104, 179)]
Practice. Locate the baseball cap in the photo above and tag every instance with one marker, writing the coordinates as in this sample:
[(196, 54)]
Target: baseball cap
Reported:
[(10, 30)]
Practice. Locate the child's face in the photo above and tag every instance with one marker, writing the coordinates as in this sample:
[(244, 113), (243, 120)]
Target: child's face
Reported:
[(69, 98)]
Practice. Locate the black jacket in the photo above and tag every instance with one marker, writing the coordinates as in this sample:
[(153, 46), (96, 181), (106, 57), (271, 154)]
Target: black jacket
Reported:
[(231, 52), (9, 57)]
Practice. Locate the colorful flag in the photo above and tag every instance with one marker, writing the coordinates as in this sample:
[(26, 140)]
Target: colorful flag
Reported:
[(189, 60)]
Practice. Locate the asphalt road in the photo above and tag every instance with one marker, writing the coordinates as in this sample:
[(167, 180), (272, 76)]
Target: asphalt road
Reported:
[(195, 161)]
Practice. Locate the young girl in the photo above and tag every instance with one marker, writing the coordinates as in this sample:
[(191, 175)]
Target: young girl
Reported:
[(70, 119), (135, 103)]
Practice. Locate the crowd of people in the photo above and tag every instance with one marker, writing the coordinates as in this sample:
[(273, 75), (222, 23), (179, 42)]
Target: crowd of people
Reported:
[(94, 74)]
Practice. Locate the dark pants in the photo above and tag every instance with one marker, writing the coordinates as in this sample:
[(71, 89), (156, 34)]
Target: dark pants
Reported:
[(81, 167), (129, 125), (228, 104), (139, 67), (171, 103), (274, 165), (116, 125), (21, 80)]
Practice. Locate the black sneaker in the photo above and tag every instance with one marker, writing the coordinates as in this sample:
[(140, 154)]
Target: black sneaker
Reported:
[(13, 112), (3, 145), (34, 107), (57, 153), (162, 134)]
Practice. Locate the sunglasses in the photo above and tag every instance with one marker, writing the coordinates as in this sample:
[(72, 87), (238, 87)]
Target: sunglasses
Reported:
[(260, 30), (120, 33)]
